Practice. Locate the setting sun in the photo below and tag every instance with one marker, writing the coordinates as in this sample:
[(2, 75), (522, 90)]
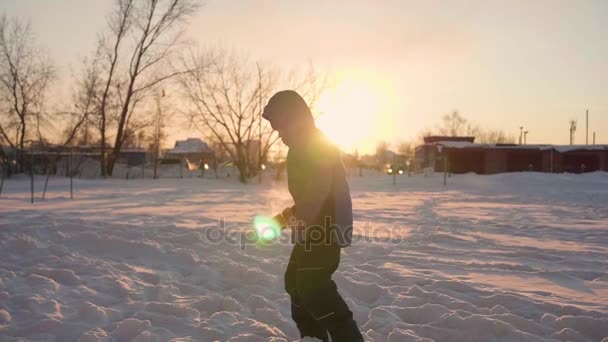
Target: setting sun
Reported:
[(356, 111)]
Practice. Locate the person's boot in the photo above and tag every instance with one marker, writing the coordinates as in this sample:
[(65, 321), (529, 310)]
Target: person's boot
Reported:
[(310, 329), (306, 324), (345, 331)]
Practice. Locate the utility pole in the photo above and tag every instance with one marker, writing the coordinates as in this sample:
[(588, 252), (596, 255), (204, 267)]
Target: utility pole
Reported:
[(32, 170), (445, 168), (593, 138), (525, 137), (587, 128), (71, 174), (521, 133)]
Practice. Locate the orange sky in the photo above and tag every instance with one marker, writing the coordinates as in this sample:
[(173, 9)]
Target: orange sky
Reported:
[(397, 66)]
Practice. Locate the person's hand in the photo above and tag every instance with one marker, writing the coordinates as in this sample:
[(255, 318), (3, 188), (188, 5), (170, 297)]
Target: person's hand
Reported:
[(283, 218), (280, 219)]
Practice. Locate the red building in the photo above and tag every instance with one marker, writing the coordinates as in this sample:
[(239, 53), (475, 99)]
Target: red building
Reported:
[(462, 155)]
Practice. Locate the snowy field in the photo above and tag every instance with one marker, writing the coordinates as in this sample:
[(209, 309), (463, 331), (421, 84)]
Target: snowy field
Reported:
[(512, 257)]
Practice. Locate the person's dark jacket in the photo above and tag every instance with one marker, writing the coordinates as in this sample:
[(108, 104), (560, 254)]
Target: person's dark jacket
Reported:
[(318, 184)]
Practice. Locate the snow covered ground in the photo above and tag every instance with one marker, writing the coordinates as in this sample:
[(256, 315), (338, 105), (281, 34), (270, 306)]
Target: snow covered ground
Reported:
[(512, 257)]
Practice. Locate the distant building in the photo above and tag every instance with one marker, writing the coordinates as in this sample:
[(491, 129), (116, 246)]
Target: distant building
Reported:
[(6, 151), (193, 150), (462, 155), (133, 156)]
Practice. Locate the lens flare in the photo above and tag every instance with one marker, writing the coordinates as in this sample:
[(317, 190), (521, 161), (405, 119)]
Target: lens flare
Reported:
[(266, 228)]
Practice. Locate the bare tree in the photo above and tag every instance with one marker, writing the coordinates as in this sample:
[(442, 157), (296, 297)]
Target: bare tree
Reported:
[(309, 84), (226, 100), (406, 149), (154, 27), (454, 124), (135, 126), (226, 94), (497, 136), (425, 133), (381, 153), (82, 120), (220, 155), (119, 23), (25, 72)]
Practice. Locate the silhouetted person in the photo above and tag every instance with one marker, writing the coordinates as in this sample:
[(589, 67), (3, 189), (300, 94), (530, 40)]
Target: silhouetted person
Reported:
[(321, 221)]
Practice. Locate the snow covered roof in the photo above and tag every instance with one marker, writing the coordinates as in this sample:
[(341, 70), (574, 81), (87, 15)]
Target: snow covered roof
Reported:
[(567, 148), (132, 149), (459, 144), (437, 138), (190, 145)]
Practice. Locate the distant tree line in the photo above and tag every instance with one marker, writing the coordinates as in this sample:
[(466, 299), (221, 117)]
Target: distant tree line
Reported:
[(141, 75), (454, 124), (451, 125)]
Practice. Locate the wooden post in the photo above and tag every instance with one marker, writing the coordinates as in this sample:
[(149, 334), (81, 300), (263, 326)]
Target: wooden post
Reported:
[(32, 172), (445, 170), (71, 177), (46, 182), (449, 171), (394, 171), (3, 176), (181, 166), (155, 165)]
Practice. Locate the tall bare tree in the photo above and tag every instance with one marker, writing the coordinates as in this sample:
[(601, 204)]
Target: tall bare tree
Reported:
[(381, 153), (454, 124), (82, 120), (119, 23), (494, 136), (25, 72), (142, 39), (226, 94), (226, 98)]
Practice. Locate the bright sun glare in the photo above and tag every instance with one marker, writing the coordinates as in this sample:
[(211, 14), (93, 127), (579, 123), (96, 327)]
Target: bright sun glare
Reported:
[(349, 111)]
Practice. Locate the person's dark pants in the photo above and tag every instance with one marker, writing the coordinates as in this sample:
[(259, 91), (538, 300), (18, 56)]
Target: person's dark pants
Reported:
[(316, 306)]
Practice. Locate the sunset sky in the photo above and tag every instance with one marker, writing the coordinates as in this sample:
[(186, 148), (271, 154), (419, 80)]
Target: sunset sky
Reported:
[(398, 66)]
